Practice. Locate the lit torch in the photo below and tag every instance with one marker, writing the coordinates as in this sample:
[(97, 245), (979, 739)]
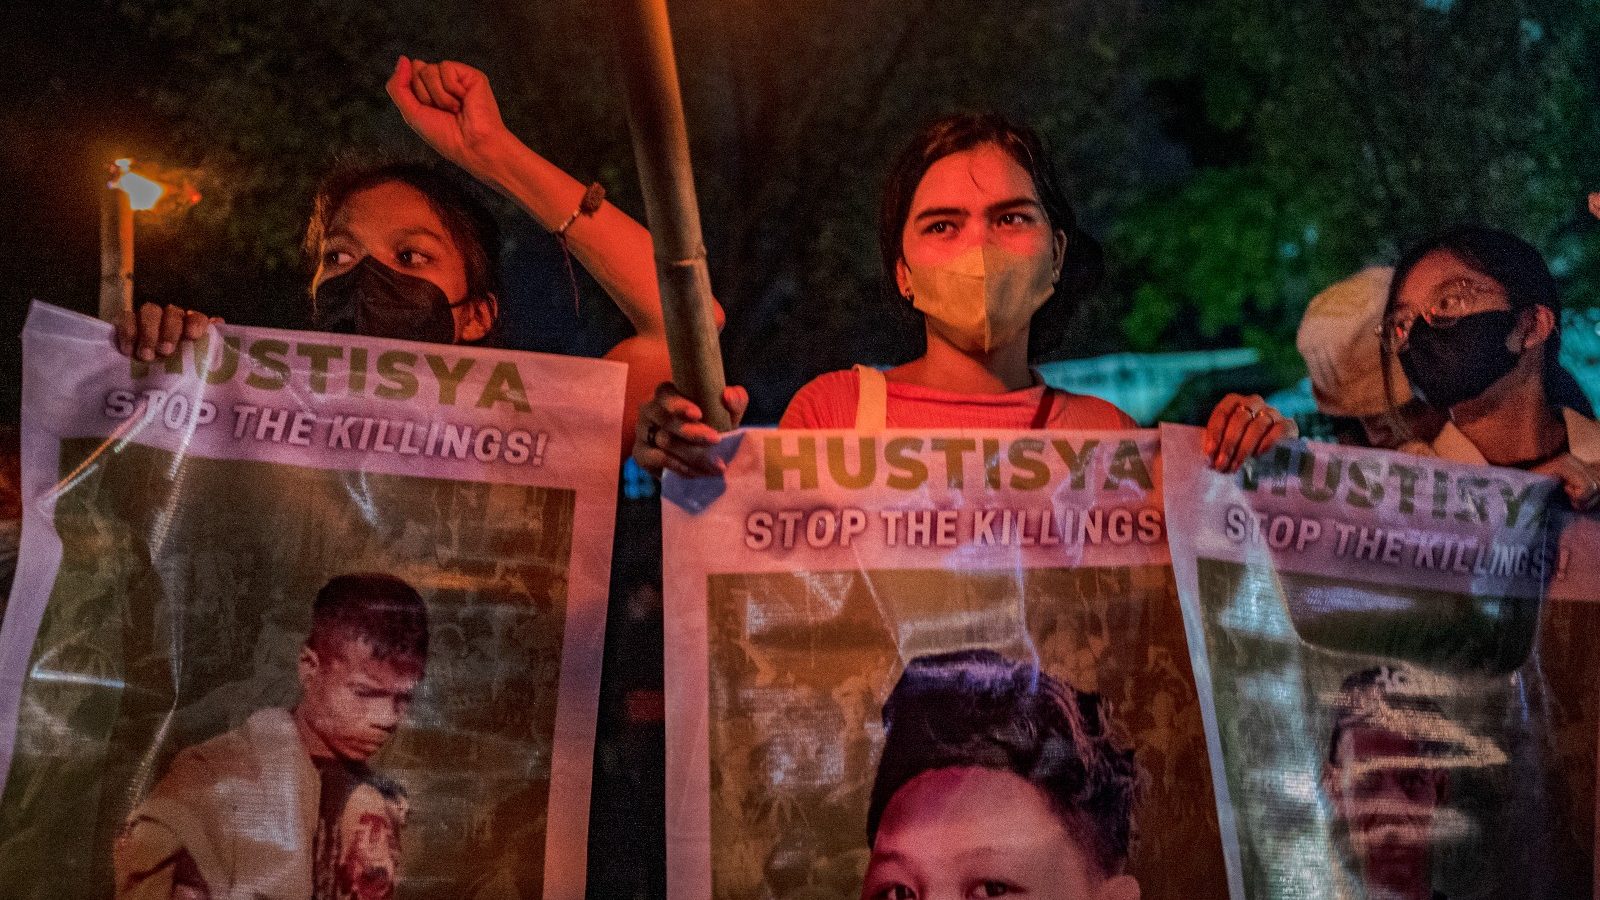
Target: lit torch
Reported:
[(128, 191)]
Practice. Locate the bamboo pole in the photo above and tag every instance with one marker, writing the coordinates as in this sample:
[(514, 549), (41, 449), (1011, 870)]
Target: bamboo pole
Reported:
[(661, 152), (116, 255)]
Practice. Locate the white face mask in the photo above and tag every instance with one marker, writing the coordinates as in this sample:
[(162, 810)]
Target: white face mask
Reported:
[(984, 297)]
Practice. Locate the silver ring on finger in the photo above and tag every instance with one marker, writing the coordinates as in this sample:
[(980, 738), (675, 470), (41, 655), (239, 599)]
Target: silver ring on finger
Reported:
[(650, 435)]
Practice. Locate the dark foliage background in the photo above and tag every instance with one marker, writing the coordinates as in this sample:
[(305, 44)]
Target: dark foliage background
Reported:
[(1234, 155)]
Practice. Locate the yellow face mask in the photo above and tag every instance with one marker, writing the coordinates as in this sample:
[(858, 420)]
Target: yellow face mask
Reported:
[(984, 297)]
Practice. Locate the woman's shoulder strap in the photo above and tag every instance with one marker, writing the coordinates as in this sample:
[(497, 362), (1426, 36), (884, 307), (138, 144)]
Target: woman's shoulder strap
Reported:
[(872, 399)]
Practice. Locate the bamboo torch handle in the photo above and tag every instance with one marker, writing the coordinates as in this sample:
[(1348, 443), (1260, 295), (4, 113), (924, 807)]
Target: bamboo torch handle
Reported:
[(661, 152), (116, 255)]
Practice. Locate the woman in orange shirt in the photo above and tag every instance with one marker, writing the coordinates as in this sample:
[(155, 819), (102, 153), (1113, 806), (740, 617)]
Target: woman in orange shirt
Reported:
[(982, 243)]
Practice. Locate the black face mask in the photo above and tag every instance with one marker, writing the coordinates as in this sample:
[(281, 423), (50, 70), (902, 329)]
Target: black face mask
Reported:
[(1450, 365), (376, 301)]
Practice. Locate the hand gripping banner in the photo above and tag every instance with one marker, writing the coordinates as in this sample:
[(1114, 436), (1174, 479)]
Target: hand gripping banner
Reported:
[(301, 615), (1397, 660), (931, 663)]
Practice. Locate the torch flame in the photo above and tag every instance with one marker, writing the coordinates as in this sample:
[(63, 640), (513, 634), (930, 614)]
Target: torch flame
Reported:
[(142, 192)]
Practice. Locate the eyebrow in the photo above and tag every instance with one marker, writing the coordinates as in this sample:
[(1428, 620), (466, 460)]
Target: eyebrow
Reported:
[(1015, 202), (1483, 283), (984, 851), (935, 212), (889, 855), (362, 681), (344, 233), (421, 230)]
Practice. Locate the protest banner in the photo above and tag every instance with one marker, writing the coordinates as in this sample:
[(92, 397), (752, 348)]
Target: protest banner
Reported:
[(1006, 595), (303, 615), (1399, 700)]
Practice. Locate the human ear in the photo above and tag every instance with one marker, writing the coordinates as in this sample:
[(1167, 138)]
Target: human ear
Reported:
[(1119, 887), (480, 318), (902, 277), (1058, 254), (308, 665), (1535, 327)]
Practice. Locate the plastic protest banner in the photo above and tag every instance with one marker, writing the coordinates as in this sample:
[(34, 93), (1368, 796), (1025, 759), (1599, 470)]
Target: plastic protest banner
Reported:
[(920, 663), (1399, 702), (301, 615)]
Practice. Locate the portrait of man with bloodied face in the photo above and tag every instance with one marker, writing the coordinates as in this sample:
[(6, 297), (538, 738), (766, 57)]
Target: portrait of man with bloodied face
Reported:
[(997, 779), (1388, 779), (285, 805)]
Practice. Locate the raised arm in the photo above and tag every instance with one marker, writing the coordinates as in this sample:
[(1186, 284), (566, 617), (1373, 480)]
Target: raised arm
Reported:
[(451, 106)]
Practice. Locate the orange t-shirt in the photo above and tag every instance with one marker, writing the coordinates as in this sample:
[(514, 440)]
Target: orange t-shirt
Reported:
[(830, 401)]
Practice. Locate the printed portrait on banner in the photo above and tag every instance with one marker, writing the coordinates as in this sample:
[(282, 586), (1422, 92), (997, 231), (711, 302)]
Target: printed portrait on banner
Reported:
[(1400, 689), (321, 622), (936, 664)]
